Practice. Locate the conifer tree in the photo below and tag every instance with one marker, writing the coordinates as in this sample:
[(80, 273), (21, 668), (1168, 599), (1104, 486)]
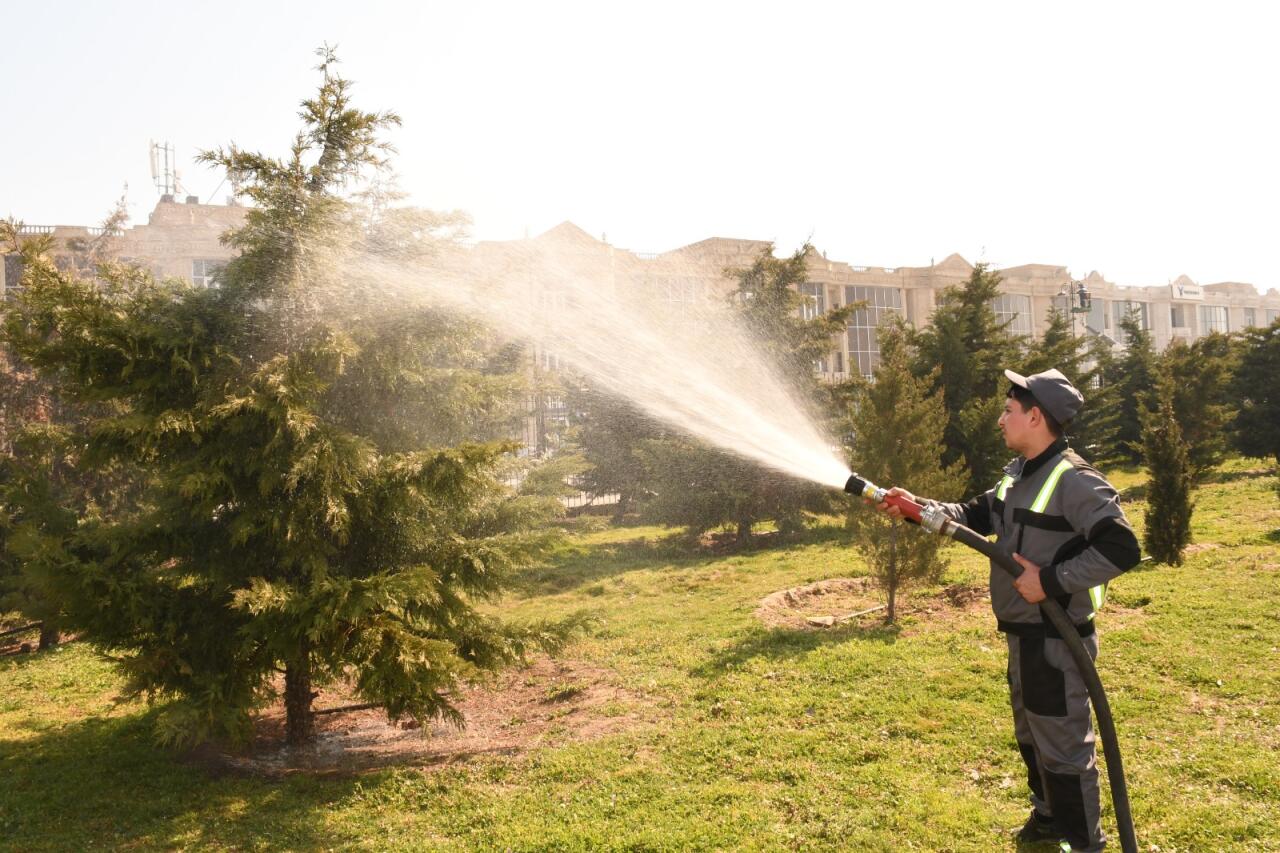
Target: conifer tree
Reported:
[(1133, 377), (966, 347), (609, 433), (1169, 504), (899, 423), (275, 530), (1083, 361), (1256, 390), (42, 437), (1201, 375)]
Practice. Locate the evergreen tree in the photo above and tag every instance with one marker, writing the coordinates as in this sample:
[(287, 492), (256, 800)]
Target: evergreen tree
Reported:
[(1169, 504), (699, 487), (1201, 379), (609, 433), (1096, 429), (1083, 360), (273, 532), (1256, 390), (967, 348), (42, 436), (898, 423), (1133, 377)]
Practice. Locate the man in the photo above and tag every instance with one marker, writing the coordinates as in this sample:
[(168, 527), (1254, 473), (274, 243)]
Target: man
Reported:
[(1062, 521)]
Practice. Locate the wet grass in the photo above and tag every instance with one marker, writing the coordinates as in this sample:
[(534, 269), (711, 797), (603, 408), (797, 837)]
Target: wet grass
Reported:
[(857, 738)]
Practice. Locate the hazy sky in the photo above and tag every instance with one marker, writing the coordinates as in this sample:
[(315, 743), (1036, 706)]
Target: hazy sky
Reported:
[(1136, 139)]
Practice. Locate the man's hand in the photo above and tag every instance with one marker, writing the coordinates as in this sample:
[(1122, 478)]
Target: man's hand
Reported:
[(1028, 583), (892, 511)]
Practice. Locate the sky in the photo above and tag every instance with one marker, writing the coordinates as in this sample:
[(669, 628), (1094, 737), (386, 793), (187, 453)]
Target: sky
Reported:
[(1135, 139)]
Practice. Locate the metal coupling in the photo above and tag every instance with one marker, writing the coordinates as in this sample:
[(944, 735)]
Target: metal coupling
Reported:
[(933, 519)]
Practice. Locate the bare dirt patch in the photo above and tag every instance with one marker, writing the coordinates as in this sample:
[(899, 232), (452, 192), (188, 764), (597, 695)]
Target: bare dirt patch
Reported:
[(844, 601), (819, 605), (1198, 547), (549, 703)]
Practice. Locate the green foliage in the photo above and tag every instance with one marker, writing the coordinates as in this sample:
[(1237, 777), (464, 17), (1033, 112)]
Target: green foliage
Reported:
[(1169, 506), (1201, 377), (279, 524), (609, 432), (768, 301), (1133, 376), (966, 348), (1083, 360), (699, 487), (43, 435), (1256, 390), (898, 426)]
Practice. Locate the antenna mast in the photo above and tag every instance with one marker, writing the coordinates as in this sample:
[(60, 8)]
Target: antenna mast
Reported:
[(163, 168)]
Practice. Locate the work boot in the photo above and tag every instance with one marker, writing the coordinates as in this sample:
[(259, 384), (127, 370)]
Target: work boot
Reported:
[(1038, 828)]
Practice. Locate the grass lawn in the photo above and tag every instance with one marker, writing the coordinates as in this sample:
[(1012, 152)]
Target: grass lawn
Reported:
[(864, 738)]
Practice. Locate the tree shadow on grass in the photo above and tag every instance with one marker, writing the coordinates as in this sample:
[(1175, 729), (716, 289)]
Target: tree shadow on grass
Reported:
[(102, 782), (783, 644), (1263, 469), (579, 565)]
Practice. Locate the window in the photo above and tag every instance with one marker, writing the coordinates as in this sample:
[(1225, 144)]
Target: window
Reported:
[(549, 361), (1250, 318), (864, 345), (1178, 316), (685, 289), (1272, 314), (11, 275), (815, 301), (1120, 310), (1213, 318), (204, 272), (1016, 308), (1098, 320)]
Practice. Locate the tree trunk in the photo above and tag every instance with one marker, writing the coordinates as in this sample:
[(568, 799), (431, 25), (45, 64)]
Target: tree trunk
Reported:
[(744, 531), (48, 636), (891, 611), (300, 720), (620, 511)]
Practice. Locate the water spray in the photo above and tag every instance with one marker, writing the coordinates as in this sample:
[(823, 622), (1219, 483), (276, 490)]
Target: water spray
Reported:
[(932, 518)]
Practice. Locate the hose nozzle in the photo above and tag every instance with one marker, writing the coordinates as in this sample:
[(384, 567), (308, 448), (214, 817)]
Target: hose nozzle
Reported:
[(858, 485)]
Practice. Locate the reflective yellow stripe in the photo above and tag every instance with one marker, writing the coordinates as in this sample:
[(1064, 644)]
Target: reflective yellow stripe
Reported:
[(1098, 595), (1003, 488), (1046, 491)]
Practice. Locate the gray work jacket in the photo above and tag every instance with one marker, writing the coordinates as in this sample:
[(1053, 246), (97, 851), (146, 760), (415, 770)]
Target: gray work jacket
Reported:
[(1061, 514)]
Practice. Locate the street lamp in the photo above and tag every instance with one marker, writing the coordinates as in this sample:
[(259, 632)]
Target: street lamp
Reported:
[(1076, 296)]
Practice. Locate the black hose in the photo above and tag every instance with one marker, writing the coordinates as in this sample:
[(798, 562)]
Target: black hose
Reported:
[(1088, 671)]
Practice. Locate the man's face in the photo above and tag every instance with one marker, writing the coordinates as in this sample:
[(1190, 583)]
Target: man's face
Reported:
[(1015, 424)]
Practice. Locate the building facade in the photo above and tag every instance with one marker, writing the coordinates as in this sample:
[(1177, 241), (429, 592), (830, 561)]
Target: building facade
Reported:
[(178, 240), (1180, 310), (183, 239)]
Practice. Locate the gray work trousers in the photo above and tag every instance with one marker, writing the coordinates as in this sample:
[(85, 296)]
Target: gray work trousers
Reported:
[(1054, 730)]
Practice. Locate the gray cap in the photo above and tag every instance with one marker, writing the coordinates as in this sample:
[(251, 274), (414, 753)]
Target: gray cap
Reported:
[(1053, 391)]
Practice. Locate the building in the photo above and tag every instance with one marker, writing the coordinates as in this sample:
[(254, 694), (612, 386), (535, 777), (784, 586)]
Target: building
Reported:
[(183, 240), (1180, 310), (179, 239)]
